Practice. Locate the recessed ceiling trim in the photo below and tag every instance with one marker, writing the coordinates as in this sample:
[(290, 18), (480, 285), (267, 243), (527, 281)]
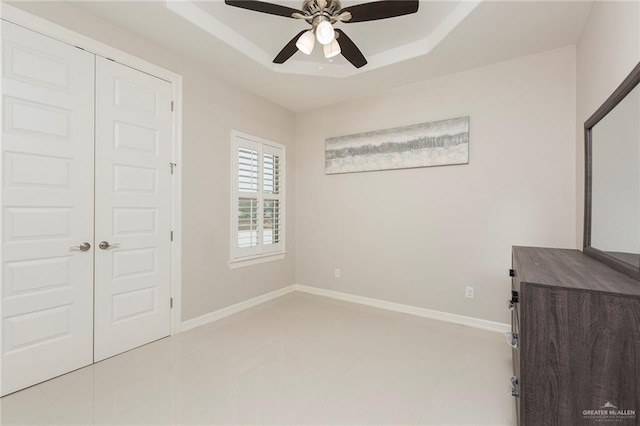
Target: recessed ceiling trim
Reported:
[(192, 13), (216, 28), (425, 45)]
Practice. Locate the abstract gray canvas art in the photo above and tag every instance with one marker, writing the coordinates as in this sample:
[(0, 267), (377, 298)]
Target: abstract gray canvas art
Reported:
[(437, 143)]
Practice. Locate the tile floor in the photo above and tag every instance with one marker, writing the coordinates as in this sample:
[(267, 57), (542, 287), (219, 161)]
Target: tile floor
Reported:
[(300, 359)]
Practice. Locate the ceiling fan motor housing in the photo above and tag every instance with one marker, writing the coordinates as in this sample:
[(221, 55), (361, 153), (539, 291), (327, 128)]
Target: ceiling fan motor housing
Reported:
[(312, 7)]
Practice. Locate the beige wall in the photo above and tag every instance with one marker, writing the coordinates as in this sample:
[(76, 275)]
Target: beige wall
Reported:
[(607, 51), (211, 108), (419, 236)]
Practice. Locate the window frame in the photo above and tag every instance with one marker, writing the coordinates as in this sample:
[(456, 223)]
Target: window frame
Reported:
[(244, 256)]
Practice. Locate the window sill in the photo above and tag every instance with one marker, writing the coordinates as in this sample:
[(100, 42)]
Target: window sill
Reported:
[(254, 260)]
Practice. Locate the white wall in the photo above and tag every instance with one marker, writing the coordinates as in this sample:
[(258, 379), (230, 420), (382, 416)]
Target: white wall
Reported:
[(211, 109), (419, 236), (607, 51)]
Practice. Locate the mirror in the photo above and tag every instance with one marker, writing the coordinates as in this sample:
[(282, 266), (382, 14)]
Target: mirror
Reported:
[(612, 187)]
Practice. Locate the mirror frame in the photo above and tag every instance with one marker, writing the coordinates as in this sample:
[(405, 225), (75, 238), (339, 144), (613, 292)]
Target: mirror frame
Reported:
[(629, 83)]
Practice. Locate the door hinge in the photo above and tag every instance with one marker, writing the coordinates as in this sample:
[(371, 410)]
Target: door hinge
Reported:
[(171, 303), (172, 106), (173, 166), (171, 235)]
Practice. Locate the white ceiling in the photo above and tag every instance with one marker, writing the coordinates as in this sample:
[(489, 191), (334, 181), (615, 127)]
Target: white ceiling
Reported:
[(442, 38)]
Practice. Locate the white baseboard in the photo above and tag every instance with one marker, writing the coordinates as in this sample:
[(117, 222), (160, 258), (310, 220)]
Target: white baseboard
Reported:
[(234, 309), (497, 327)]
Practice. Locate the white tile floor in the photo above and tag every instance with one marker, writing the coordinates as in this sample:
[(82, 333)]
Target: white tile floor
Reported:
[(300, 359)]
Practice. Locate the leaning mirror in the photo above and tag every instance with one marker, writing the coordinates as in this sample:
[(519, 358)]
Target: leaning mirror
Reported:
[(612, 186)]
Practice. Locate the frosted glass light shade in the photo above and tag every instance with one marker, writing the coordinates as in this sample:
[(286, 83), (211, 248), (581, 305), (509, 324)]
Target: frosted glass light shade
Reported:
[(332, 49), (325, 33), (306, 42)]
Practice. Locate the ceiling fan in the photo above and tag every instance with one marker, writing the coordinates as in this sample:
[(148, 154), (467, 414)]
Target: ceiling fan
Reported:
[(322, 15)]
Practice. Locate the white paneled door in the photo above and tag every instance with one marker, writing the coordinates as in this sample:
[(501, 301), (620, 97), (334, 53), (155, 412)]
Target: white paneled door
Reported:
[(47, 208), (86, 208), (133, 208)]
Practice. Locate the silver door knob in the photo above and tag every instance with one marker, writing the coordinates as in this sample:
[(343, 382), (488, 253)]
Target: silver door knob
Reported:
[(104, 245), (82, 247)]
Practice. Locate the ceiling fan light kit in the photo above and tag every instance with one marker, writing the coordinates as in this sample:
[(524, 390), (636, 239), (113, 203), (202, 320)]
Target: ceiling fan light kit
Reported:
[(332, 49), (306, 42), (324, 32), (322, 15)]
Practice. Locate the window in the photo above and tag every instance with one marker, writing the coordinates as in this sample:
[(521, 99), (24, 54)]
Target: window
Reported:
[(258, 198)]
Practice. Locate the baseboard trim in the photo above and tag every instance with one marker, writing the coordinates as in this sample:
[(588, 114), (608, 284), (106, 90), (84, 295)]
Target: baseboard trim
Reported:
[(481, 324), (496, 327), (234, 309)]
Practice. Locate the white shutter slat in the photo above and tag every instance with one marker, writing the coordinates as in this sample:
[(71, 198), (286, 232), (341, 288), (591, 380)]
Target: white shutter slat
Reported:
[(271, 173), (247, 229), (247, 169), (271, 222)]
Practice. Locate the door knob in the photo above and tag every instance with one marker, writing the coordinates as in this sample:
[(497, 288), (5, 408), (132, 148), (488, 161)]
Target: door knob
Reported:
[(82, 247), (104, 245)]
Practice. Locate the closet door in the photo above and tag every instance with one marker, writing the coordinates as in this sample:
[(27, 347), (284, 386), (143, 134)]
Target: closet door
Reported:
[(133, 208), (47, 208)]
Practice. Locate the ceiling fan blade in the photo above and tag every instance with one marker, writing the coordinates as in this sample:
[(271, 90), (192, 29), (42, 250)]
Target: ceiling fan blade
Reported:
[(349, 50), (264, 7), (288, 50), (381, 10)]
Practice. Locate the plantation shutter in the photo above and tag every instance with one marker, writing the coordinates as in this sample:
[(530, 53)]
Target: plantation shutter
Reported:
[(247, 202), (258, 198), (271, 194)]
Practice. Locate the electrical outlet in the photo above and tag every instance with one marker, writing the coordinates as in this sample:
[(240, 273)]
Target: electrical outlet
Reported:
[(468, 292), (336, 273)]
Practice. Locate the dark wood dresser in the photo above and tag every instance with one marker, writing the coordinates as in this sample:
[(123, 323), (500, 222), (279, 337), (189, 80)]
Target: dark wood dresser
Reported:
[(577, 340)]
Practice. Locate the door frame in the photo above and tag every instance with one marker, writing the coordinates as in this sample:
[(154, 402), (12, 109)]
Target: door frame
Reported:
[(65, 35)]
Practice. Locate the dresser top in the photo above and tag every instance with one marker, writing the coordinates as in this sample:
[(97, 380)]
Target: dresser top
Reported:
[(570, 269)]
